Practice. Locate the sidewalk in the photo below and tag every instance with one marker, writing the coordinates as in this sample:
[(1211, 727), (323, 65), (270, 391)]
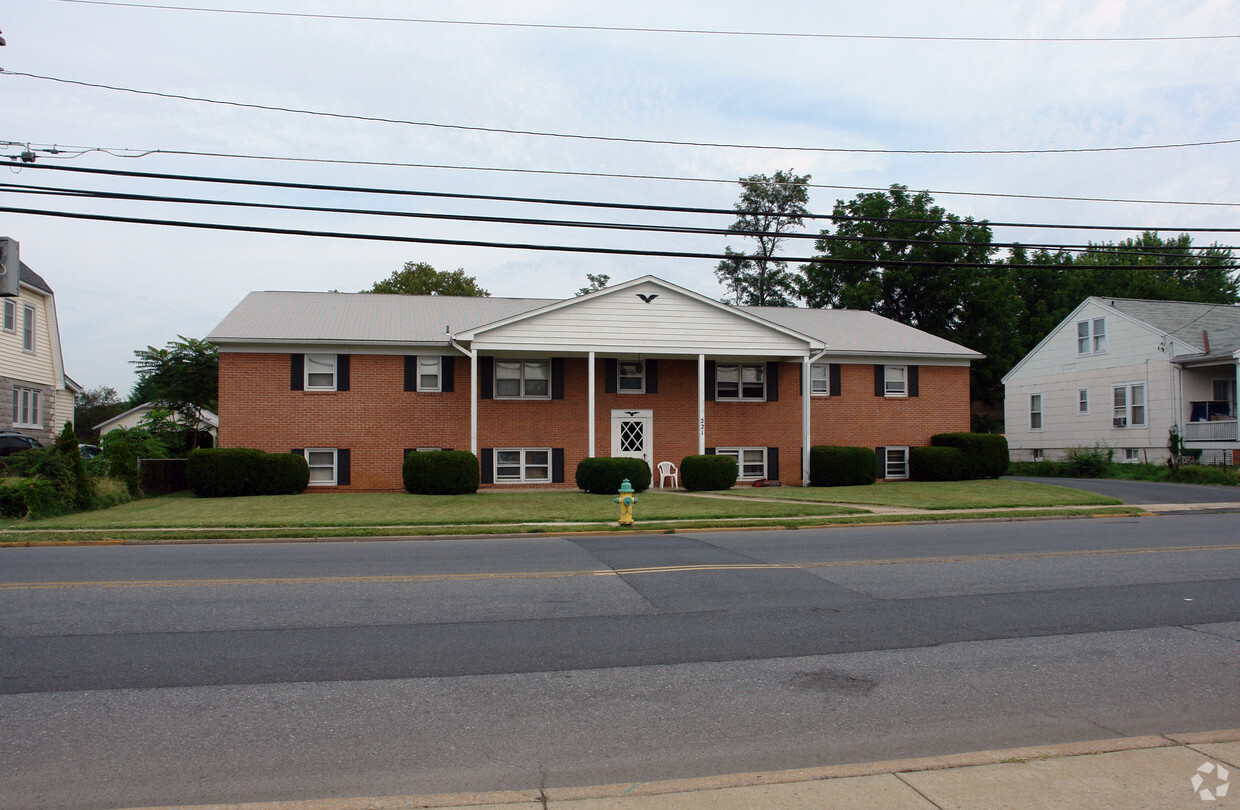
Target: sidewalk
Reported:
[(1128, 773)]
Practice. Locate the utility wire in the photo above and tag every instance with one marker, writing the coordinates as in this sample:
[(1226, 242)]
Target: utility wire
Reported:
[(620, 226), (59, 152), (610, 138), (585, 203), (624, 29), (214, 226)]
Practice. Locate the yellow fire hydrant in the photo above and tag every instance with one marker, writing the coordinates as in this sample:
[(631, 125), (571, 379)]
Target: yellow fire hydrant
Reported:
[(626, 501)]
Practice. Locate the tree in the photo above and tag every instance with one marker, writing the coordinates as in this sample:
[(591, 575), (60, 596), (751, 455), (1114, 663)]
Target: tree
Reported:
[(768, 209), (419, 278), (93, 406), (182, 377), (597, 281)]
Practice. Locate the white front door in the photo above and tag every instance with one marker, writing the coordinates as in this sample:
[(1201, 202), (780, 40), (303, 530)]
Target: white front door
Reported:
[(632, 434)]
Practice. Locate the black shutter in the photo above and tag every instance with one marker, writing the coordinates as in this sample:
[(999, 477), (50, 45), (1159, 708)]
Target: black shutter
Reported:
[(486, 461), (297, 372), (801, 377), (833, 372), (409, 450), (710, 451), (880, 380), (297, 451), (411, 372), (710, 382), (912, 381), (557, 465), (486, 379), (447, 374), (772, 382), (881, 452), (342, 468), (652, 376), (611, 374), (342, 372), (557, 378), (772, 463)]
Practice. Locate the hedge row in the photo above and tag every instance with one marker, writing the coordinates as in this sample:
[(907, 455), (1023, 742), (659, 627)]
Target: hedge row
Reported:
[(831, 466), (705, 473), (226, 472), (603, 476), (985, 454), (936, 463), (441, 472)]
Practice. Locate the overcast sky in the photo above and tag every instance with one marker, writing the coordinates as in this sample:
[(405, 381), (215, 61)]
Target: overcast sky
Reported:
[(122, 286)]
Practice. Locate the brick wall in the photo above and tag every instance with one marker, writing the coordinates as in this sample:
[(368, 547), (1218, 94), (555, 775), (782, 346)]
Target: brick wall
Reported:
[(377, 420)]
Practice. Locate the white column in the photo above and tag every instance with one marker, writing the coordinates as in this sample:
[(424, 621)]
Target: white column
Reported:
[(590, 376), (701, 404), (806, 389), (473, 402)]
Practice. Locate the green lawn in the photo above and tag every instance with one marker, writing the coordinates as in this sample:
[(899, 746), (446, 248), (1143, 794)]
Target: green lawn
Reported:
[(988, 494)]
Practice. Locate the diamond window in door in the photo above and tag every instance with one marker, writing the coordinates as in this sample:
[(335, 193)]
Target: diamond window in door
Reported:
[(632, 437)]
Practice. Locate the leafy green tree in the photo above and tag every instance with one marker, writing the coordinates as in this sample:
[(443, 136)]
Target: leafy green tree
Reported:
[(182, 377), (769, 208), (67, 447), (597, 282), (419, 278), (93, 406)]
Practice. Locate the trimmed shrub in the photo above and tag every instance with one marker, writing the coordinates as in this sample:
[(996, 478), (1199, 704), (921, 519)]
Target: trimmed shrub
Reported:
[(705, 473), (224, 472), (603, 476), (283, 474), (67, 446), (985, 454), (441, 472), (831, 466), (159, 476), (1089, 462), (936, 463)]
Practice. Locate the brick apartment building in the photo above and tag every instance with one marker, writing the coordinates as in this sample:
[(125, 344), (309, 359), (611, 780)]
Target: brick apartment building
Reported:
[(532, 386)]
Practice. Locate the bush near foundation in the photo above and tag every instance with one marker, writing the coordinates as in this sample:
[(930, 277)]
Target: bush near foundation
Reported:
[(985, 454), (833, 466), (936, 463), (603, 476), (706, 473), (224, 472), (284, 474), (441, 472)]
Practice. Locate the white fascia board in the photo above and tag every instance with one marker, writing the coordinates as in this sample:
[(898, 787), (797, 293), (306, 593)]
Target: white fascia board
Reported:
[(329, 346), (888, 358)]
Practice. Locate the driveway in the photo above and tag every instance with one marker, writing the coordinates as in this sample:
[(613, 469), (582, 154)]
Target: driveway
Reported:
[(1145, 492)]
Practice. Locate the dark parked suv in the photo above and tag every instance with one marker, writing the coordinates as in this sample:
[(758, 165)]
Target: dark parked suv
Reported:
[(11, 443)]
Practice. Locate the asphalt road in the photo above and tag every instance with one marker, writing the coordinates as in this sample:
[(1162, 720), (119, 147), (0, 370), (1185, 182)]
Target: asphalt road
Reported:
[(1145, 492), (144, 675)]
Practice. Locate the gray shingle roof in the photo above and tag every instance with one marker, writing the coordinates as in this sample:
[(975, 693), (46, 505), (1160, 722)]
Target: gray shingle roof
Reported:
[(1186, 320), (854, 331), (32, 278)]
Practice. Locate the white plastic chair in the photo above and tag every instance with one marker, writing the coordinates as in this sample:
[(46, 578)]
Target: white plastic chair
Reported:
[(668, 470)]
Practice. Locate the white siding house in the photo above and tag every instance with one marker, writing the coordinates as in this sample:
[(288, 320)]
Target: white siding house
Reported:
[(1125, 373)]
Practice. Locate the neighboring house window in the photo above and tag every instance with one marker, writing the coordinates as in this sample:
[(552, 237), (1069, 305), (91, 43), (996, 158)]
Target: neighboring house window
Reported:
[(1223, 391), (320, 372), (1128, 403), (28, 328), (632, 377), (820, 379), (1082, 400), (1038, 454), (895, 381), (897, 462), (522, 465), (750, 461), (1131, 455), (322, 463), (26, 408), (1091, 336), (741, 381), (429, 374), (522, 379), (10, 315), (1035, 411)]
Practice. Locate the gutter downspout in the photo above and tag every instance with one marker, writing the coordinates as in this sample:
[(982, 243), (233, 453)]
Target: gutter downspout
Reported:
[(473, 394), (807, 365), (590, 406)]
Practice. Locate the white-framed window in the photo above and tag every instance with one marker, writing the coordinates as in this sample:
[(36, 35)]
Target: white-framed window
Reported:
[(632, 377), (1224, 391), (322, 463), (1038, 454), (895, 381), (1035, 411), (430, 373), (750, 461), (320, 372), (1128, 405), (1082, 401), (522, 379), (820, 379), (26, 408), (740, 381), (521, 465), (1091, 336), (28, 328), (10, 315), (897, 462), (1131, 455)]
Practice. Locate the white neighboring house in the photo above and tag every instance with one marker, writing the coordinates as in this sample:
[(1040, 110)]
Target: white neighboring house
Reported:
[(133, 417), (1124, 372), (31, 367)]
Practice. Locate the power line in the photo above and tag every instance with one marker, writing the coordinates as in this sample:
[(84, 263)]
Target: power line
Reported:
[(612, 138), (635, 30), (214, 226), (59, 152), (583, 203)]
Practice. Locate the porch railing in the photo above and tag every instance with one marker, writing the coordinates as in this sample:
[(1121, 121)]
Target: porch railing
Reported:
[(1218, 430)]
